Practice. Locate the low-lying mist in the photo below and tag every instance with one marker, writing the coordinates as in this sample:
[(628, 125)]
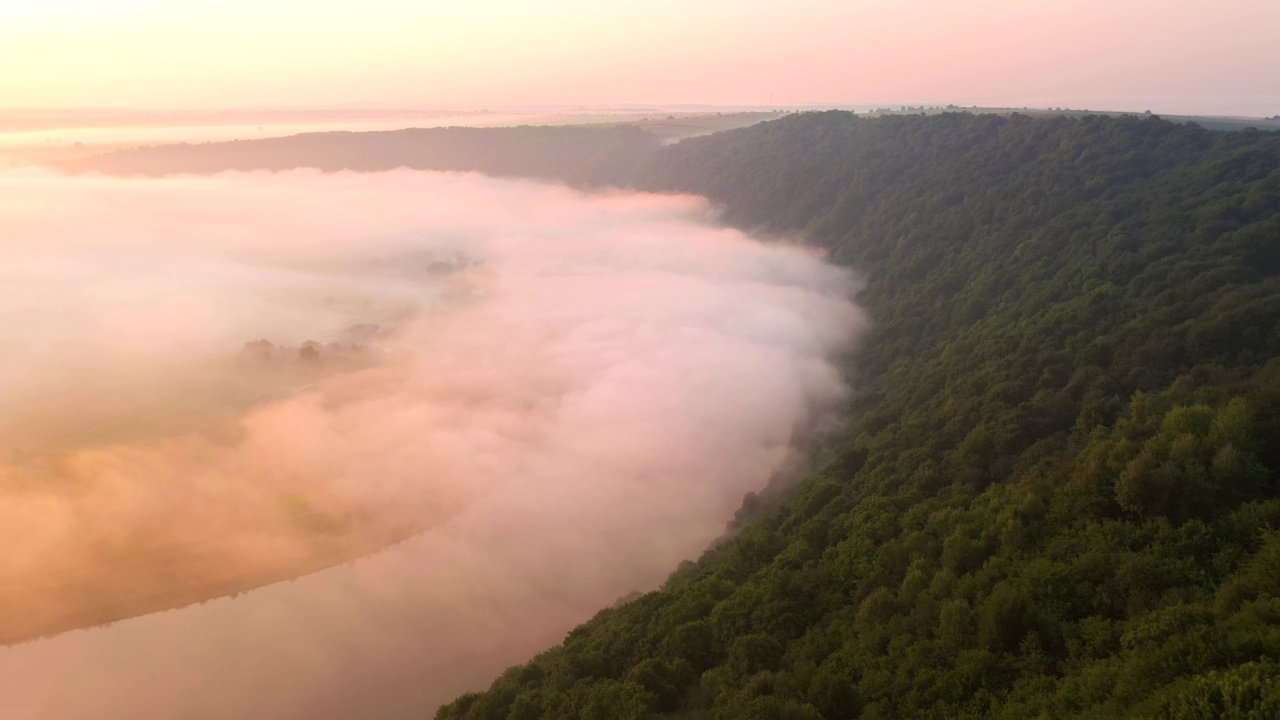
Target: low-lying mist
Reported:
[(245, 375)]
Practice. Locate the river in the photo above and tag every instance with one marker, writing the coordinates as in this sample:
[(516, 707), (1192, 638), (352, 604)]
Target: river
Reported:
[(372, 639)]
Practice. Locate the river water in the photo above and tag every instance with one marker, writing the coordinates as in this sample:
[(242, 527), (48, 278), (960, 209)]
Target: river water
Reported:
[(373, 639)]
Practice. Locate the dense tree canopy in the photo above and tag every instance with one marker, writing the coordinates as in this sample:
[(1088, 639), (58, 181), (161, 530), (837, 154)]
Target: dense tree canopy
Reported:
[(1058, 496)]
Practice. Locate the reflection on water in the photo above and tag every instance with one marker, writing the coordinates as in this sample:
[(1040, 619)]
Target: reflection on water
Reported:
[(376, 639)]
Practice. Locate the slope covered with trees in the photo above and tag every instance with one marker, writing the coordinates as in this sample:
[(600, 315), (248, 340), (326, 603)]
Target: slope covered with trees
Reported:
[(1057, 496)]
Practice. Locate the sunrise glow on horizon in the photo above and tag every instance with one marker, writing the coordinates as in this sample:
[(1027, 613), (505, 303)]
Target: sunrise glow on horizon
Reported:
[(1196, 57)]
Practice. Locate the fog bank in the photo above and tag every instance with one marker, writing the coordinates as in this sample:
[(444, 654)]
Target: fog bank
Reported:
[(568, 394)]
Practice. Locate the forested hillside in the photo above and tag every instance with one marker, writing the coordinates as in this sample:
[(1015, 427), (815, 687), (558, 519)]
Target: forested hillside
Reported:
[(1057, 496)]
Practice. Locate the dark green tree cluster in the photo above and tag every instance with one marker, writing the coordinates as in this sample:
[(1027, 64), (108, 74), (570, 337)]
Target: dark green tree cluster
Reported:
[(1059, 494)]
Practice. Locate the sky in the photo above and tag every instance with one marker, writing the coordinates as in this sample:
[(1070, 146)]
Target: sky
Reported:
[(1170, 56)]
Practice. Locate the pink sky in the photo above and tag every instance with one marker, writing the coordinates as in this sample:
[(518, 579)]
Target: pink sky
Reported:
[(1193, 56)]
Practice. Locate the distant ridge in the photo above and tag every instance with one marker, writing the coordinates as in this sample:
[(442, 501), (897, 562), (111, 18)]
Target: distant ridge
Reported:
[(579, 155)]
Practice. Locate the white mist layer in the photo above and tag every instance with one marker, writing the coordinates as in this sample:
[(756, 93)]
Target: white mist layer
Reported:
[(574, 409)]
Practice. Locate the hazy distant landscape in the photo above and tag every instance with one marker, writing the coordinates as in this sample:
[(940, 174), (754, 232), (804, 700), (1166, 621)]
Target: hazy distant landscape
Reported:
[(55, 137), (629, 361), (81, 137)]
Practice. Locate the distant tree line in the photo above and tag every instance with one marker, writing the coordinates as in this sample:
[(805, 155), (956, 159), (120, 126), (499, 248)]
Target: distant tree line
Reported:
[(581, 155)]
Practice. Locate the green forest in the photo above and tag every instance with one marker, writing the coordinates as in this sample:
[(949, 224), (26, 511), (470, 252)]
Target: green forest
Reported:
[(1056, 496)]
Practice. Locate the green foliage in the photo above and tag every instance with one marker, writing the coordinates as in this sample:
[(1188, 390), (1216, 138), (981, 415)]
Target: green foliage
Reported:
[(1249, 691), (1058, 494), (666, 680), (610, 700)]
